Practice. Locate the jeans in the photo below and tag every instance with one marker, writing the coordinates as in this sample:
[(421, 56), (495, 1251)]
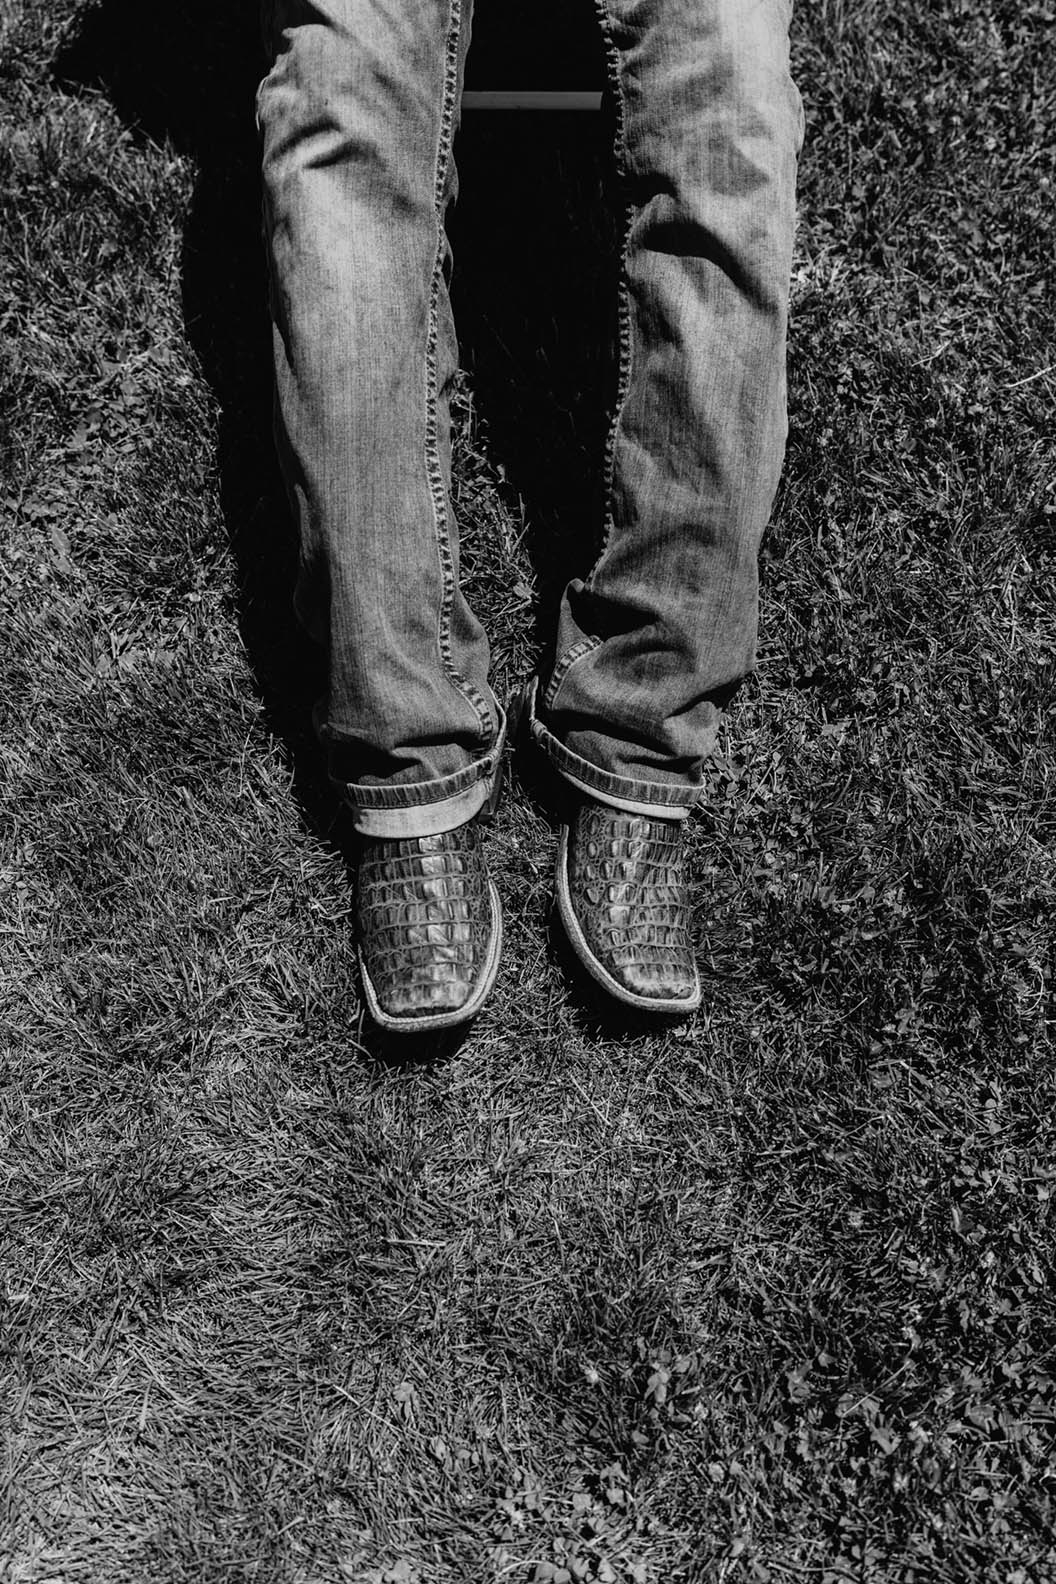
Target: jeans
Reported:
[(357, 115)]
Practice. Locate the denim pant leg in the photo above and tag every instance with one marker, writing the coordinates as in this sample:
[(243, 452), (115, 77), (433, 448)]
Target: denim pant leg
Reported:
[(655, 639), (357, 115)]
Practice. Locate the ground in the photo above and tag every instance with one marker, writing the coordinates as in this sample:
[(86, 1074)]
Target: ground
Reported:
[(766, 1295)]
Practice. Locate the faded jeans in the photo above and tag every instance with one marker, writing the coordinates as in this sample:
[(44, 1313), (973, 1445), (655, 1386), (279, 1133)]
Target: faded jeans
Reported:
[(357, 115)]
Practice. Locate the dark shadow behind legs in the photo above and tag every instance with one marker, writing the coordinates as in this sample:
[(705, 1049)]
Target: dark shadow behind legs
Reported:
[(532, 296)]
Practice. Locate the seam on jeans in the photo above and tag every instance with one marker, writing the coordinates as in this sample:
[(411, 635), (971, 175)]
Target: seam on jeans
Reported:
[(434, 470), (658, 794), (577, 651), (623, 379), (416, 794), (409, 793)]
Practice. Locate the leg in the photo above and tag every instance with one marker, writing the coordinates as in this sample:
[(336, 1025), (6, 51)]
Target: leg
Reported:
[(357, 117), (658, 635), (660, 632)]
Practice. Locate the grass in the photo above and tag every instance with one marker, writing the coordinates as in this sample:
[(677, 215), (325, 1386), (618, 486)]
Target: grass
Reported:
[(766, 1297)]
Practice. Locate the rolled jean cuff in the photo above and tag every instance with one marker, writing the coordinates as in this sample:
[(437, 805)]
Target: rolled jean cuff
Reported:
[(425, 808), (655, 799)]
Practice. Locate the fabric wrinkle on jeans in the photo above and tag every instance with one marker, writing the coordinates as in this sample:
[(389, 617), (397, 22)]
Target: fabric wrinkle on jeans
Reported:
[(357, 116)]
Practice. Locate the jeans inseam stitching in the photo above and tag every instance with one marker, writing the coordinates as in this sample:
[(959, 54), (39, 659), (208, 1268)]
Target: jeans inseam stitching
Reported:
[(623, 379), (578, 651), (434, 471)]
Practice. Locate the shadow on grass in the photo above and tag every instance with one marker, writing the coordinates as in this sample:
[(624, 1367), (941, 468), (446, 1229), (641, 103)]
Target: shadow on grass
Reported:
[(529, 242), (407, 1051)]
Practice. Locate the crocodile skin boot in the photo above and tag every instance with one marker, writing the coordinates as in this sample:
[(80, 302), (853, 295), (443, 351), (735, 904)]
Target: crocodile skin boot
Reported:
[(622, 899), (430, 929)]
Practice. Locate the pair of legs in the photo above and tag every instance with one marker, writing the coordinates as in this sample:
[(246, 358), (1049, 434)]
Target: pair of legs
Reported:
[(358, 114)]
